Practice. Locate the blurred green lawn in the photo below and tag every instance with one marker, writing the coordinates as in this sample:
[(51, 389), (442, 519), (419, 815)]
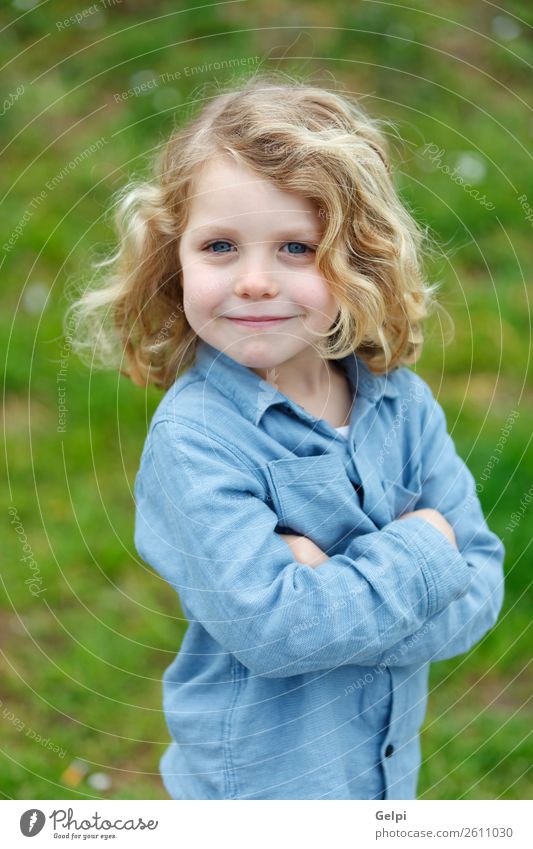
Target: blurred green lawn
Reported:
[(82, 662)]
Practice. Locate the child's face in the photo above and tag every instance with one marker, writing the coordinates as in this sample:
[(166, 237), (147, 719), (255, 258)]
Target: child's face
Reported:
[(249, 250)]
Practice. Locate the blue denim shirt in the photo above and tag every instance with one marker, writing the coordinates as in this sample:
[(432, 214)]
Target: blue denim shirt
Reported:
[(295, 682)]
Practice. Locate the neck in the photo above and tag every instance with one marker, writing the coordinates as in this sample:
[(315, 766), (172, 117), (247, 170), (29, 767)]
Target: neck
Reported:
[(305, 377)]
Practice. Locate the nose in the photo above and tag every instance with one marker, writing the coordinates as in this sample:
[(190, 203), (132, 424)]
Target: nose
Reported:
[(254, 282)]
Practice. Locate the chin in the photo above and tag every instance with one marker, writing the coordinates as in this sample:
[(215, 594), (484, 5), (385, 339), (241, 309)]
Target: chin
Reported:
[(257, 353), (261, 362)]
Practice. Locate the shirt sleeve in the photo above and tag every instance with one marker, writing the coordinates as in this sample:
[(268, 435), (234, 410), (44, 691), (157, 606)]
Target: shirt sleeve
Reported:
[(204, 523), (448, 486)]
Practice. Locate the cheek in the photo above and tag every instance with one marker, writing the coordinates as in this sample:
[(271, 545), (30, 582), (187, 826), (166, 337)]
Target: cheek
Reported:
[(313, 291), (202, 289)]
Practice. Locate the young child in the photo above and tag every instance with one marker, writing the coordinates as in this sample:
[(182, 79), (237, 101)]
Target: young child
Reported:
[(298, 487)]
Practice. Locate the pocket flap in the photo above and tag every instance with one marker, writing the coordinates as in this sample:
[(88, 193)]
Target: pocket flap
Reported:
[(402, 499), (315, 497), (304, 471)]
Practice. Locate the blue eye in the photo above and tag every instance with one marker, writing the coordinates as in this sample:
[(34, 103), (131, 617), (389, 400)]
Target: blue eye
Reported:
[(221, 246), (218, 242), (301, 248)]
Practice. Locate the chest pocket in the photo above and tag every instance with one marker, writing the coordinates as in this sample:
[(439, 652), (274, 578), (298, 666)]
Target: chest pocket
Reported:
[(402, 499), (313, 496)]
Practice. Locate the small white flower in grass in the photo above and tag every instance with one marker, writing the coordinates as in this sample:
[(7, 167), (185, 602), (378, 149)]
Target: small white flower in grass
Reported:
[(34, 298), (505, 28), (99, 781), (471, 167)]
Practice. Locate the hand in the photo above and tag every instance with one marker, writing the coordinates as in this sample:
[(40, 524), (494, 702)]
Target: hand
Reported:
[(436, 519), (305, 551)]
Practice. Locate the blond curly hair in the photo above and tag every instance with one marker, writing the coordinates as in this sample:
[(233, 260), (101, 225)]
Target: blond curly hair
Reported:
[(306, 140)]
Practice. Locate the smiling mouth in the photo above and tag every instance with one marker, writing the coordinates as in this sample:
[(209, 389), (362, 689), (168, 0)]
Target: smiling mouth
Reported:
[(259, 322)]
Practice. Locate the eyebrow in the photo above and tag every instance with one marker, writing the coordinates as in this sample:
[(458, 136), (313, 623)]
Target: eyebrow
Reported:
[(286, 233)]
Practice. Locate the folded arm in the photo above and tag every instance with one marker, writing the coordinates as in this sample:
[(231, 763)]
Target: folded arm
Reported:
[(449, 487), (203, 523)]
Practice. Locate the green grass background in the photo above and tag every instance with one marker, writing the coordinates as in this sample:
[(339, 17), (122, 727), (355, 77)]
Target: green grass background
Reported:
[(82, 663)]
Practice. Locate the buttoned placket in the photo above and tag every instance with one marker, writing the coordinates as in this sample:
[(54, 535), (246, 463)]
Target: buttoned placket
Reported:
[(400, 677), (377, 508)]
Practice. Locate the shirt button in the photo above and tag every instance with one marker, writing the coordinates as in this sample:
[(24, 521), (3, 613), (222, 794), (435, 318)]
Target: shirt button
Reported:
[(389, 750)]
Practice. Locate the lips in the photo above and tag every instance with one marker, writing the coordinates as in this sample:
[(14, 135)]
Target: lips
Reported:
[(258, 322), (259, 317)]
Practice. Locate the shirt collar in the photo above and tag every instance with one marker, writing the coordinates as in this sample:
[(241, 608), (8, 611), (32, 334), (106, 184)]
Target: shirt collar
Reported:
[(253, 395)]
